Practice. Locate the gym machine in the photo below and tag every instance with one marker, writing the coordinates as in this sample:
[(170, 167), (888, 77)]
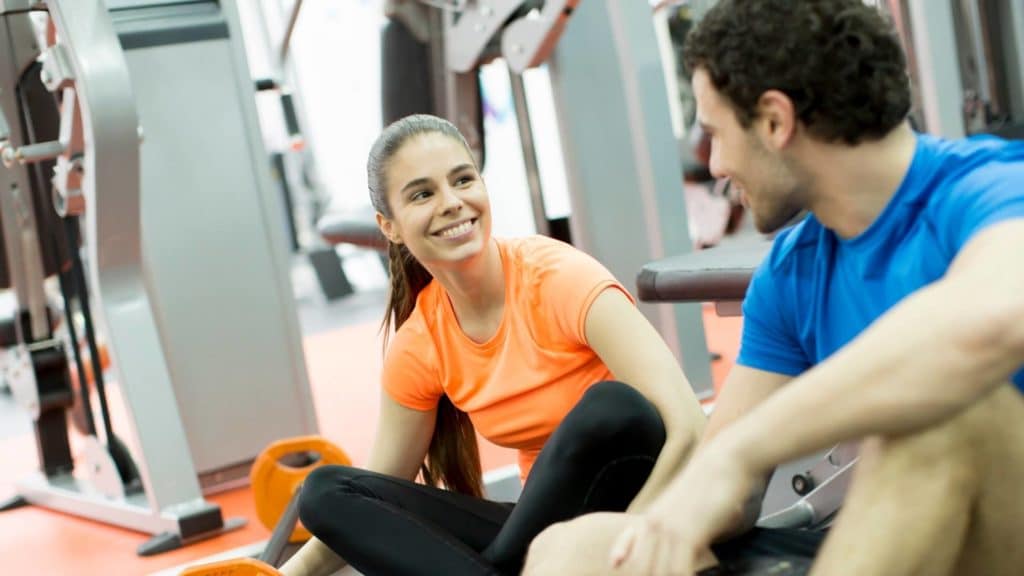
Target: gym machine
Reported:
[(157, 151), (293, 166), (967, 64), (94, 131)]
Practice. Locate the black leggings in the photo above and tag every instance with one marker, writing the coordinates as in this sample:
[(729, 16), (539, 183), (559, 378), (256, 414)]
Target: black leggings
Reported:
[(596, 460)]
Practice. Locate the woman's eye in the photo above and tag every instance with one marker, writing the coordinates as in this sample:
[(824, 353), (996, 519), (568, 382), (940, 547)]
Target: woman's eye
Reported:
[(463, 180), (420, 195)]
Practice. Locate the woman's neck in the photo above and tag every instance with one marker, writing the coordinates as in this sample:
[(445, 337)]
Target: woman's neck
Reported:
[(476, 289)]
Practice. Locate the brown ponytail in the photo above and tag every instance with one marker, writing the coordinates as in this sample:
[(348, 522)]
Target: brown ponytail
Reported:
[(453, 459)]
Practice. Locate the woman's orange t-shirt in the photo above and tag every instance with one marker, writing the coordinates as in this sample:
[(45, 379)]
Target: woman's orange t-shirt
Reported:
[(519, 385)]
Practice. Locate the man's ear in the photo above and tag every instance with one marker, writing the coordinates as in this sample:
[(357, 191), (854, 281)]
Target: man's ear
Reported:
[(776, 119), (387, 227)]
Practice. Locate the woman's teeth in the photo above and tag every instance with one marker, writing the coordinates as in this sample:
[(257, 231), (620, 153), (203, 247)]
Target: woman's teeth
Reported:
[(457, 230)]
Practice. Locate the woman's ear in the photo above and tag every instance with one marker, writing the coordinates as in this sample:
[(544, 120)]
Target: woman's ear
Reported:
[(387, 227)]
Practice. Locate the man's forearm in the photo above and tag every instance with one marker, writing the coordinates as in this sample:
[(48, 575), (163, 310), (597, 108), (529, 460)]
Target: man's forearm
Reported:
[(673, 456), (916, 366)]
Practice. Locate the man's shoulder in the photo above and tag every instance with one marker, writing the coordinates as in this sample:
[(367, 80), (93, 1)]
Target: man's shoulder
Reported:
[(793, 245), (781, 276), (968, 165), (970, 177), (981, 148), (995, 162)]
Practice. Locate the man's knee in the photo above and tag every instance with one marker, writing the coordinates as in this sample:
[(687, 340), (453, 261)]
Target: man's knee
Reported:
[(952, 487), (957, 450)]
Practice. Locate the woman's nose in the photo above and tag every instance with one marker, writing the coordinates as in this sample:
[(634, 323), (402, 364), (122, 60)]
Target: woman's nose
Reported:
[(450, 199)]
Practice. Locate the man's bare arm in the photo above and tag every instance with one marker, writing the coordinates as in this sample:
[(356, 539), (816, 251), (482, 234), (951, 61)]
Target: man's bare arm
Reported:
[(932, 355)]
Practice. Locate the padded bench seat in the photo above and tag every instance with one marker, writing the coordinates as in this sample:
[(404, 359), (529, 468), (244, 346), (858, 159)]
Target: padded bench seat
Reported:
[(719, 274), (358, 227)]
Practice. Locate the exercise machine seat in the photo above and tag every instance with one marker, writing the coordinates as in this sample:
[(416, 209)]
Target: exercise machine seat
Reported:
[(358, 227), (716, 274)]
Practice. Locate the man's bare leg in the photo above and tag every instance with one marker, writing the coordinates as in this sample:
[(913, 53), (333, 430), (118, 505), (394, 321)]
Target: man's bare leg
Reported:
[(943, 501), (580, 547), (993, 544)]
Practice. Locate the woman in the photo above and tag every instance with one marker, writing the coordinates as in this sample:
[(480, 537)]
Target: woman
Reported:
[(534, 341)]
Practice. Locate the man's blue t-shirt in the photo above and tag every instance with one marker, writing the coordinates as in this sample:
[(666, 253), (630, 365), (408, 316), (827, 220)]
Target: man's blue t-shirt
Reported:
[(816, 291)]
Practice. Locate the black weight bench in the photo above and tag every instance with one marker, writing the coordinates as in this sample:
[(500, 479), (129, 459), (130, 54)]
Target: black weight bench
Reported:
[(356, 227), (719, 275)]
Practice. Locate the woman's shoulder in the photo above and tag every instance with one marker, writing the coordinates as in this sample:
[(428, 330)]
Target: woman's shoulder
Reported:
[(539, 251), (417, 328), (549, 272), (410, 369), (413, 341), (423, 318)]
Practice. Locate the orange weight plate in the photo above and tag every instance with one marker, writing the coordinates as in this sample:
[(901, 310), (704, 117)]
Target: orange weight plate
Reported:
[(274, 482), (237, 567)]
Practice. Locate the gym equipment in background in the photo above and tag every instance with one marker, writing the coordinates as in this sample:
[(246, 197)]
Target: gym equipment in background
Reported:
[(277, 478), (200, 292), (68, 144)]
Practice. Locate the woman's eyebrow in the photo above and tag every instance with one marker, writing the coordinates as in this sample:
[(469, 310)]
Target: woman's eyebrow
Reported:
[(460, 168), (415, 183)]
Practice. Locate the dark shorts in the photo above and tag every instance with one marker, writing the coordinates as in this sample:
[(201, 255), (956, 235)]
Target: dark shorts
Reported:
[(778, 552)]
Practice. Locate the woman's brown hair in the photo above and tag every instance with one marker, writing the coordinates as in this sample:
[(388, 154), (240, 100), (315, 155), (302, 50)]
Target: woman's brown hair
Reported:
[(453, 459)]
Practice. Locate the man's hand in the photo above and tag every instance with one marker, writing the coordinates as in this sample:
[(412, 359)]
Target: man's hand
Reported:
[(674, 536)]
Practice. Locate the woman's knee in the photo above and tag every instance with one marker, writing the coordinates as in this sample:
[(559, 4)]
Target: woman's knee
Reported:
[(610, 411), (323, 491)]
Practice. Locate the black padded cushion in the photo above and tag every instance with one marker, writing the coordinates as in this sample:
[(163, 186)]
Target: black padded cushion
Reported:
[(357, 227), (407, 85), (405, 74), (713, 275), (8, 332)]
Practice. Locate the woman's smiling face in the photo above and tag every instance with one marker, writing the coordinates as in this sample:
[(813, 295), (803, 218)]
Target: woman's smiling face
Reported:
[(439, 205)]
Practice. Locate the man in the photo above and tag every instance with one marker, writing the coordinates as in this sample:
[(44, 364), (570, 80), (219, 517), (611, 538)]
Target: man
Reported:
[(892, 313)]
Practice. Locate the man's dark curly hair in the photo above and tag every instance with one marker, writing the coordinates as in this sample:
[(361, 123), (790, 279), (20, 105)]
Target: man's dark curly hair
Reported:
[(839, 61)]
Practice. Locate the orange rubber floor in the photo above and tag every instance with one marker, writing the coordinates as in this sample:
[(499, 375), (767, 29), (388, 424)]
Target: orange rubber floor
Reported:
[(343, 365)]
